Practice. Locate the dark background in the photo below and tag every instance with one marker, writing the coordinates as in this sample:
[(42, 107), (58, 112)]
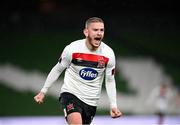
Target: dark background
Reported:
[(42, 15)]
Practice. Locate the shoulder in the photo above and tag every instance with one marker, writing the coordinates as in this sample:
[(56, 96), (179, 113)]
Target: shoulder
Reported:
[(107, 49), (76, 43), (109, 53)]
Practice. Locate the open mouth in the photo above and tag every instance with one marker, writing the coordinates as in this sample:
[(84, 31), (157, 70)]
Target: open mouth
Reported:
[(97, 38)]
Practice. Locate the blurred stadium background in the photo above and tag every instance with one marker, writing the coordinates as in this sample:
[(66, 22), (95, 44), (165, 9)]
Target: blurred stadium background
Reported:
[(145, 36)]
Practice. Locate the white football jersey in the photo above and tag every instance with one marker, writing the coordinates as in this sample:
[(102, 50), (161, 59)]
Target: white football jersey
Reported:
[(85, 70)]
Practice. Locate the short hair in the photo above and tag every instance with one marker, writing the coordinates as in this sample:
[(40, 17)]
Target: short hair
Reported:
[(93, 20)]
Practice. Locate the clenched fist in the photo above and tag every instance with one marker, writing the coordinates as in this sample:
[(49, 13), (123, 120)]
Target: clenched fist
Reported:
[(39, 98), (115, 113)]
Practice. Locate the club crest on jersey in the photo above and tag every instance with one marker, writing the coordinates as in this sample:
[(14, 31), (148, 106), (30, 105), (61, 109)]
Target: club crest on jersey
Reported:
[(101, 63), (88, 73)]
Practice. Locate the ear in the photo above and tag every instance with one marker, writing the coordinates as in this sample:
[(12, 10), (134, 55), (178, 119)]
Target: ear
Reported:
[(85, 31)]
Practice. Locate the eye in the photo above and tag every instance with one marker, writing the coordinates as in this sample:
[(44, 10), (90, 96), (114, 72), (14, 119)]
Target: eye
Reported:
[(102, 30), (95, 29)]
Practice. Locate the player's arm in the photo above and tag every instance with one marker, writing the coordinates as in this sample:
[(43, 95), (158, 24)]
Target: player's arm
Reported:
[(111, 92), (110, 85), (55, 72), (51, 78)]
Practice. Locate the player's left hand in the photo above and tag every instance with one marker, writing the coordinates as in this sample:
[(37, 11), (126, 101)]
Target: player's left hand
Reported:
[(115, 113)]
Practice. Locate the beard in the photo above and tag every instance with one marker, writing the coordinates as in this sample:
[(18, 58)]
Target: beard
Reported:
[(94, 43)]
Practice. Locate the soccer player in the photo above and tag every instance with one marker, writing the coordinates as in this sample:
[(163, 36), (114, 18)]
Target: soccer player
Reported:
[(87, 61), (160, 98)]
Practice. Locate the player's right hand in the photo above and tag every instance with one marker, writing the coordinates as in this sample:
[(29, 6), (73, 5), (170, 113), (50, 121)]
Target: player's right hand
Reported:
[(39, 98)]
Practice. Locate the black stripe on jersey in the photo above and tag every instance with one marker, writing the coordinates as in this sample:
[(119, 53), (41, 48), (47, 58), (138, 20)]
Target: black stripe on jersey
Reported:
[(86, 63)]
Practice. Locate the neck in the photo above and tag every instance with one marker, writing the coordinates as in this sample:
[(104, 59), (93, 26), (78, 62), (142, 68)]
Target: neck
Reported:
[(90, 47)]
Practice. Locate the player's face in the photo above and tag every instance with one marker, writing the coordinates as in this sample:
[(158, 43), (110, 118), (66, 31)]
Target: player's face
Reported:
[(94, 34)]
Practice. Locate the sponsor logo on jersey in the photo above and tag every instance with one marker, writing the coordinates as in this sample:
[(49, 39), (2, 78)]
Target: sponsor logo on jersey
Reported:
[(88, 73)]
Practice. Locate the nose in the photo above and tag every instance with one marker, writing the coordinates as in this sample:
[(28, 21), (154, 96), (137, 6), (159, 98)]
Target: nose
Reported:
[(99, 32)]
